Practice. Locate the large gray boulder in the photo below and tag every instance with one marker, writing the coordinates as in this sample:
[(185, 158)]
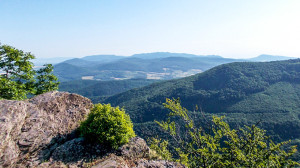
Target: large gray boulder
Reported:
[(30, 130)]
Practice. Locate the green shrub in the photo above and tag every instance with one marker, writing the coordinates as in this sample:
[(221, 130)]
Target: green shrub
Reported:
[(219, 145), (107, 125)]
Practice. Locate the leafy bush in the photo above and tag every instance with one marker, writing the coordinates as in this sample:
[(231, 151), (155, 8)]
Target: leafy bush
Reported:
[(107, 125), (221, 146)]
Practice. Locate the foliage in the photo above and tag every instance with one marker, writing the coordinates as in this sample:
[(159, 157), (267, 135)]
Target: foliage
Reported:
[(160, 146), (220, 146), (46, 80), (107, 125), (18, 78)]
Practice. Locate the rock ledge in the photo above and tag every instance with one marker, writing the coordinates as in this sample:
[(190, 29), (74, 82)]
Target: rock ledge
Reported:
[(41, 132)]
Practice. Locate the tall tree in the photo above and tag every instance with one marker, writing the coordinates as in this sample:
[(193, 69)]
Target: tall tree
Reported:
[(46, 81), (18, 79)]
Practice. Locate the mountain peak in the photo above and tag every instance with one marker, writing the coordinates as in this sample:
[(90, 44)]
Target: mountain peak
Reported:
[(266, 57)]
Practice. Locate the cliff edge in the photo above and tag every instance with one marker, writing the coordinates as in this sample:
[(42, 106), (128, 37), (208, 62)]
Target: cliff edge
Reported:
[(42, 132)]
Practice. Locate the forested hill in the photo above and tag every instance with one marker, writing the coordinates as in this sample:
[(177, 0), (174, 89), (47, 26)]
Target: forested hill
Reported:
[(220, 89), (245, 92), (97, 90)]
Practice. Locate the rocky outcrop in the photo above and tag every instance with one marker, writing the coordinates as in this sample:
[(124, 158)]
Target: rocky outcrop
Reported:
[(30, 130), (78, 153), (41, 132)]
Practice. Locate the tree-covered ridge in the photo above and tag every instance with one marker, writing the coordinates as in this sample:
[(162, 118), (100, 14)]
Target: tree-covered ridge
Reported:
[(96, 90), (245, 92), (223, 85)]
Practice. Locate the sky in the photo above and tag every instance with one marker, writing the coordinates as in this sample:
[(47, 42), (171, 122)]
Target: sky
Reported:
[(229, 28)]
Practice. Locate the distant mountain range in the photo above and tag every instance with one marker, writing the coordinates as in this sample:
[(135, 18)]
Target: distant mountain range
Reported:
[(160, 65), (53, 61), (265, 58)]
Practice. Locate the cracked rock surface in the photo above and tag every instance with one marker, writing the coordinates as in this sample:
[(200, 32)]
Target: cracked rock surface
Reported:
[(30, 130)]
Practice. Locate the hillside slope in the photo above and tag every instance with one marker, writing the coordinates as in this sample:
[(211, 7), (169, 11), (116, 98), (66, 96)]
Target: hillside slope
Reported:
[(67, 72), (245, 92), (96, 90)]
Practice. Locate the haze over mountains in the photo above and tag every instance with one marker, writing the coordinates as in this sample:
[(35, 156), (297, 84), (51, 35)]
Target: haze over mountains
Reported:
[(265, 58), (110, 58), (160, 65)]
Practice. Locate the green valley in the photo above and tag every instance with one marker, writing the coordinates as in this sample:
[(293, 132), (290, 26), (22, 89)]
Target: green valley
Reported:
[(98, 90)]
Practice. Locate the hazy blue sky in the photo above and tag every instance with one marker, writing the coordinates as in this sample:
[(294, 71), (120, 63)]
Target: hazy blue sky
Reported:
[(76, 28)]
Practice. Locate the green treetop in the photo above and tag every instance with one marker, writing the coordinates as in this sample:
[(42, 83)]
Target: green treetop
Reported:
[(18, 79)]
